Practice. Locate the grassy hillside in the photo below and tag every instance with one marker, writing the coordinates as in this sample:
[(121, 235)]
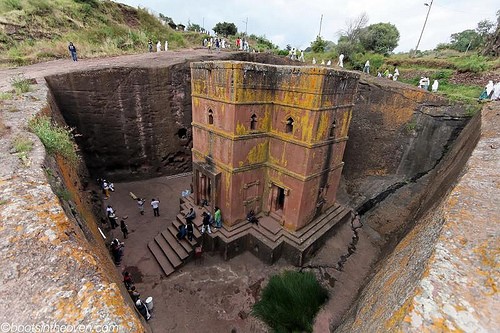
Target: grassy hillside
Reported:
[(38, 30)]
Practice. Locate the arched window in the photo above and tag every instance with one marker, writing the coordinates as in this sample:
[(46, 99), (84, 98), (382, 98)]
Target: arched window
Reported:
[(210, 117), (289, 125), (332, 129), (253, 122)]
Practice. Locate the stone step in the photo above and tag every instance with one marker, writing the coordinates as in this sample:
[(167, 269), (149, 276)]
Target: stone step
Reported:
[(174, 244), (165, 265), (184, 242), (168, 251)]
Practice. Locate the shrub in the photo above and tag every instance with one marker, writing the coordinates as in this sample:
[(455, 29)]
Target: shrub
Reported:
[(290, 301), (475, 64), (21, 84), (56, 139)]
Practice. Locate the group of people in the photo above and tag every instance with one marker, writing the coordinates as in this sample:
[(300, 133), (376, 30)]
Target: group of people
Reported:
[(158, 46), (491, 91), (340, 61), (388, 75), (425, 82), (135, 295), (292, 54), (106, 187)]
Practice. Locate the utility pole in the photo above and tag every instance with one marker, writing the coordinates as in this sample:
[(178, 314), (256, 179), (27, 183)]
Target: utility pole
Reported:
[(425, 22), (320, 23), (246, 25)]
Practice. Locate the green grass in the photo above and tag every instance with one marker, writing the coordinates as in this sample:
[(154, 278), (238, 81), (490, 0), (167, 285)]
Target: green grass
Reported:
[(290, 302), (460, 92), (20, 84), (56, 139), (22, 146), (4, 96)]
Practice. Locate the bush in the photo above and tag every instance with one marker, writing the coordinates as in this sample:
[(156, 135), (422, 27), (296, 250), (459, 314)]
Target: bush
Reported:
[(475, 64), (290, 301), (56, 139)]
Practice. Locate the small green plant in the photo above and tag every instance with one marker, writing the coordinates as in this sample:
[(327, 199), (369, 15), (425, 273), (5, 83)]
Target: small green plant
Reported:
[(290, 302), (56, 139), (63, 194), (471, 110), (5, 96), (22, 146), (21, 84), (411, 126)]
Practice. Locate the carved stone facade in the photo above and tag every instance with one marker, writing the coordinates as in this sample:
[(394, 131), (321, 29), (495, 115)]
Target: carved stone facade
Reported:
[(269, 138)]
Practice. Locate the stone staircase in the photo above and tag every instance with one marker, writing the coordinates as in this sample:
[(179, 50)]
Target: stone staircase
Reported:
[(268, 241)]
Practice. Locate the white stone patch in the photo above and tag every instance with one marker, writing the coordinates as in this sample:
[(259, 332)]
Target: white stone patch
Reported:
[(50, 234)]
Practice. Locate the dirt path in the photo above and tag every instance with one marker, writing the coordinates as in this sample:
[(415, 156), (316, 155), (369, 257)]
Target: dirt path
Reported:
[(40, 70)]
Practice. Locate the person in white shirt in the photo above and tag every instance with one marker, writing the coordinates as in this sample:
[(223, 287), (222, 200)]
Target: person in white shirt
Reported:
[(155, 203)]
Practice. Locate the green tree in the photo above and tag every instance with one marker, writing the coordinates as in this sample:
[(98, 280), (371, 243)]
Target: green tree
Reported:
[(318, 45), (193, 27), (380, 38), (226, 29), (465, 40)]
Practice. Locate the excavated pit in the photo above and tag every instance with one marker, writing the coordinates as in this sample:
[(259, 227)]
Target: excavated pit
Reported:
[(133, 123)]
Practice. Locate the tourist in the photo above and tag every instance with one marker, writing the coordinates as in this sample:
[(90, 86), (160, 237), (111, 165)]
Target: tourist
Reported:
[(112, 219), (314, 61), (134, 294), (140, 203), (158, 46), (252, 218), (124, 228), (109, 210), (166, 45), (435, 86), (209, 46), (340, 63), (143, 309), (190, 230), (72, 51), (427, 82), (206, 223), (117, 251), (386, 73), (127, 280), (191, 215), (396, 74), (105, 188), (366, 69), (155, 203), (150, 45), (181, 234), (218, 218)]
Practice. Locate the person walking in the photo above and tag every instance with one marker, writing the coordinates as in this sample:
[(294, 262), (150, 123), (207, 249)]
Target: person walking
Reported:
[(340, 63), (150, 45), (158, 46), (140, 203), (112, 219), (124, 228), (155, 203), (206, 223), (72, 51)]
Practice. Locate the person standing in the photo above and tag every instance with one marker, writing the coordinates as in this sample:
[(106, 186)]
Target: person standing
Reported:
[(155, 203), (396, 74), (72, 51), (158, 46), (206, 223), (190, 229), (341, 60), (124, 228), (112, 219), (150, 45), (218, 218), (166, 45), (366, 69)]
